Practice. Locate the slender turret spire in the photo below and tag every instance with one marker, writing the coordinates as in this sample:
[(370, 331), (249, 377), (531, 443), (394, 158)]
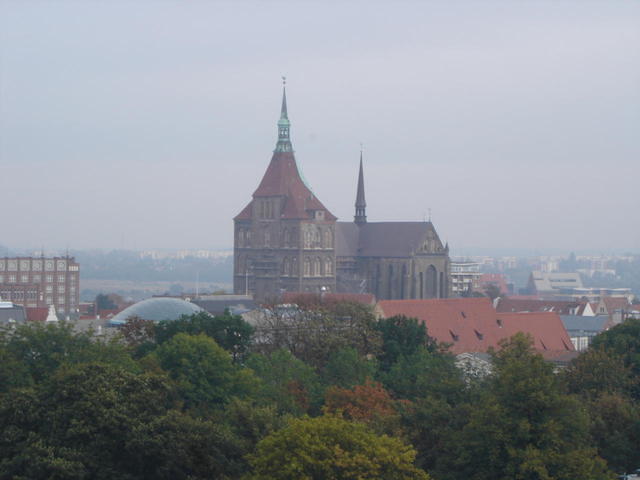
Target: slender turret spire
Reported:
[(284, 142), (361, 204)]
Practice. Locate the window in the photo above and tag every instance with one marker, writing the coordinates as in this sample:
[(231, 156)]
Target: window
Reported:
[(24, 278), (49, 278), (60, 288), (61, 300), (49, 289), (37, 279), (307, 267), (328, 243), (328, 266), (1, 265), (317, 268), (60, 278), (454, 336), (285, 267), (12, 279), (479, 335), (1, 278), (49, 300)]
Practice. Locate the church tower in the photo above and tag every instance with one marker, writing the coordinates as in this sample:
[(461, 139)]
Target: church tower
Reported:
[(284, 239)]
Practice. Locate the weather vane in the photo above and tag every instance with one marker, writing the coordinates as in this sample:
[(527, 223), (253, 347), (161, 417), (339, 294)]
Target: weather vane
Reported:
[(284, 80)]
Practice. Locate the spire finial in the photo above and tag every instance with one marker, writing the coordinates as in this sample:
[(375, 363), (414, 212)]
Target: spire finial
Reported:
[(361, 205), (284, 142)]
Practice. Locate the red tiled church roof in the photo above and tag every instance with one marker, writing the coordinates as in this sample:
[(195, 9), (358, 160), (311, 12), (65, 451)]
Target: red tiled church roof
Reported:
[(282, 179), (473, 325)]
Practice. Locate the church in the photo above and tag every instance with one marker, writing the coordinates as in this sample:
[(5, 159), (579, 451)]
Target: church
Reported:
[(285, 240)]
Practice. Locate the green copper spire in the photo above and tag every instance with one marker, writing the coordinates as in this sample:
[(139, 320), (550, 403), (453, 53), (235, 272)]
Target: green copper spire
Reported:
[(284, 142)]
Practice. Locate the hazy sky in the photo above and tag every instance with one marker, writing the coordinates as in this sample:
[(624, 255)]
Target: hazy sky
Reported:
[(149, 124)]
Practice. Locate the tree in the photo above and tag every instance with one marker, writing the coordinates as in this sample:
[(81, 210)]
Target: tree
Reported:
[(401, 337), (313, 334), (624, 341), (138, 332), (369, 403), (524, 426), (176, 446), (203, 371), (424, 373), (598, 371), (616, 430), (332, 448), (287, 382), (231, 332), (492, 291), (41, 348), (76, 424), (345, 368)]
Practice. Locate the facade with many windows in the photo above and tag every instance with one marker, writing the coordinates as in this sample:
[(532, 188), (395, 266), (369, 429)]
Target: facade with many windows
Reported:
[(41, 282)]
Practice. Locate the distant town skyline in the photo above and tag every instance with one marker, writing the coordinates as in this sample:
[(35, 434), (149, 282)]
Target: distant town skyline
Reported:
[(145, 125)]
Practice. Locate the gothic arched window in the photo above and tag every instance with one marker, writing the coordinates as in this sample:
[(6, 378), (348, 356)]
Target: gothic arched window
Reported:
[(307, 267), (327, 239), (285, 266), (328, 266), (317, 267)]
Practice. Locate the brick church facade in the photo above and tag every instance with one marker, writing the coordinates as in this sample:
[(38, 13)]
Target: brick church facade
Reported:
[(285, 240)]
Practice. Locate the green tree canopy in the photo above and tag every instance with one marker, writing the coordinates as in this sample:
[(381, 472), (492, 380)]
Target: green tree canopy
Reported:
[(624, 341), (41, 348), (401, 337), (330, 448), (287, 382), (231, 332), (346, 368), (203, 371), (524, 426)]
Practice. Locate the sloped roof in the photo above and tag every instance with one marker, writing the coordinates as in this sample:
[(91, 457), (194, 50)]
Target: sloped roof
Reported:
[(383, 239), (283, 179), (473, 325), (579, 323), (37, 314), (468, 324), (11, 313), (561, 307), (546, 328), (549, 281), (615, 303), (347, 234)]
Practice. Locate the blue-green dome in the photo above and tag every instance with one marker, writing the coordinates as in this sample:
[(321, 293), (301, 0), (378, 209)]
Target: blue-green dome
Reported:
[(156, 309)]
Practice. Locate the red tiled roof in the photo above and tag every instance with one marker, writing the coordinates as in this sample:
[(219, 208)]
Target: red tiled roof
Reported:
[(37, 314), (558, 306), (468, 324), (546, 328), (473, 325), (615, 303), (282, 178)]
